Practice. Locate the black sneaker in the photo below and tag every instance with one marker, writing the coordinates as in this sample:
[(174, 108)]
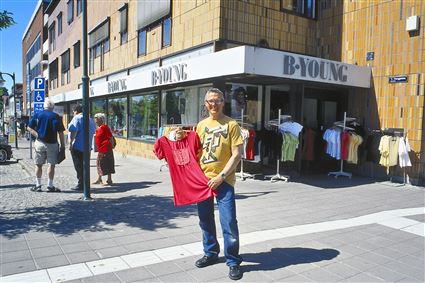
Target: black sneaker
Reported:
[(206, 261), (36, 188), (77, 188), (53, 189), (235, 272)]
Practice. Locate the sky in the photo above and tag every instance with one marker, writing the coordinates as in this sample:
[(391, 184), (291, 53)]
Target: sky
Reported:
[(11, 38)]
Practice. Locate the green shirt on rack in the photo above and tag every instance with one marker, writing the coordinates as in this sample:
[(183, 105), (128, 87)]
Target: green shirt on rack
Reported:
[(289, 147)]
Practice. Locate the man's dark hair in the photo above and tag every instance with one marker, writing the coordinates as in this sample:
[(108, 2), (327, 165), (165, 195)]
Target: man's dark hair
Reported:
[(78, 108)]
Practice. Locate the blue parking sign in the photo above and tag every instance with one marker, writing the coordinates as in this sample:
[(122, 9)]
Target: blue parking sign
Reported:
[(38, 107), (39, 83), (38, 96)]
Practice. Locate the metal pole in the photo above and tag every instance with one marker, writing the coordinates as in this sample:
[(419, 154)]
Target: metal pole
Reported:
[(86, 109), (16, 116), (29, 119)]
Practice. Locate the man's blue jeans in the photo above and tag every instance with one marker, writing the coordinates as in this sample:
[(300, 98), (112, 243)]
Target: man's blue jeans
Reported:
[(229, 225)]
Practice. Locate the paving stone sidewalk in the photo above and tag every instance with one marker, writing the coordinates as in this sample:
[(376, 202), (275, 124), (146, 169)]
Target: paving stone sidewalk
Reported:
[(49, 231)]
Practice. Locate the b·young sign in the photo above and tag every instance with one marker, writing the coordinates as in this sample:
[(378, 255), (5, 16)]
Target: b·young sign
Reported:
[(171, 74), (313, 68)]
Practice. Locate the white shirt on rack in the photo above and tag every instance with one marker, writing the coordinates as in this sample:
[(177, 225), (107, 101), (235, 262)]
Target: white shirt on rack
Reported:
[(403, 153)]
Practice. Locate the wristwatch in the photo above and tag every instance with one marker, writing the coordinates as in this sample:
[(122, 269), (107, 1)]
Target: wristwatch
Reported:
[(223, 176)]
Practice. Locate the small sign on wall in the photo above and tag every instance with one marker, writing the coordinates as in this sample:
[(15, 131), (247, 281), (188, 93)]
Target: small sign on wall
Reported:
[(370, 56), (398, 79)]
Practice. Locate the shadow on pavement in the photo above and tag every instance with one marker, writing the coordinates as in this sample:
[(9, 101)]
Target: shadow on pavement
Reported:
[(11, 161), (278, 258), (145, 212), (16, 186), (330, 182), (122, 187), (252, 194)]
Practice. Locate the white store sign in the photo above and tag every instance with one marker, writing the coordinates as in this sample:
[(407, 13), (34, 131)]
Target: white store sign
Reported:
[(235, 61)]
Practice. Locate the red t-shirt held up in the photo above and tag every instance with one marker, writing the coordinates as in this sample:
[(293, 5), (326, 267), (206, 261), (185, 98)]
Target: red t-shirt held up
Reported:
[(189, 182)]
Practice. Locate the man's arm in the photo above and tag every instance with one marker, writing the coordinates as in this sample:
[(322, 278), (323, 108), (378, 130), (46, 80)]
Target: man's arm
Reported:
[(32, 132), (230, 166), (61, 139)]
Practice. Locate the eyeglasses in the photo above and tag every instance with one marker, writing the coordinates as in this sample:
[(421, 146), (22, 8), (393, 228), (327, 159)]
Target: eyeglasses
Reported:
[(214, 102)]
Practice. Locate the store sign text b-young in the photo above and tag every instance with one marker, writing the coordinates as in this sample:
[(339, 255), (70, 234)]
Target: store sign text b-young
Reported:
[(308, 68), (172, 74)]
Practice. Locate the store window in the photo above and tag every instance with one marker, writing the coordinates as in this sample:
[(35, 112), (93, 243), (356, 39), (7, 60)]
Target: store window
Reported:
[(98, 106), (144, 117), (117, 116), (246, 97), (180, 106)]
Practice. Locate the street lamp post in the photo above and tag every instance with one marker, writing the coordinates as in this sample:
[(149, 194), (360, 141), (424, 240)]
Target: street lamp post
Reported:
[(2, 81)]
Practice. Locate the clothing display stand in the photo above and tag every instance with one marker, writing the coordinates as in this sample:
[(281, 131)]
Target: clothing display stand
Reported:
[(279, 177), (341, 172), (241, 174)]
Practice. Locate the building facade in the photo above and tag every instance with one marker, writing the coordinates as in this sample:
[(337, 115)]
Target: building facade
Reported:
[(150, 63), (34, 52)]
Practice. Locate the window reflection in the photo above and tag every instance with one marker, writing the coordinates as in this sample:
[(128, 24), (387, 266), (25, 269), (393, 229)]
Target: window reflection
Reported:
[(117, 116), (144, 117)]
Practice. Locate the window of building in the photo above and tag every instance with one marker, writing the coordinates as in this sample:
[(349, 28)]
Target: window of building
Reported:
[(306, 8), (79, 7), (99, 106), (99, 43), (77, 54), (70, 11), (181, 106), (117, 116), (53, 74), (91, 61), (65, 72), (36, 46), (124, 24), (141, 43), (144, 117), (166, 32), (52, 38), (246, 97), (60, 23)]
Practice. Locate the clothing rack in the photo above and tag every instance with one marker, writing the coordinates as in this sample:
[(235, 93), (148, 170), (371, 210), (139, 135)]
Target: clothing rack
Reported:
[(341, 172), (278, 177), (241, 174), (396, 132)]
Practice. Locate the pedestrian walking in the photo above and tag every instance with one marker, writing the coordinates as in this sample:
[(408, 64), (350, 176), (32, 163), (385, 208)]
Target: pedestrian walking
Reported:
[(45, 126), (222, 143), (105, 142), (76, 144)]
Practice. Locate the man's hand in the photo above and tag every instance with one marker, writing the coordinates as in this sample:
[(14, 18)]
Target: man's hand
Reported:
[(213, 183)]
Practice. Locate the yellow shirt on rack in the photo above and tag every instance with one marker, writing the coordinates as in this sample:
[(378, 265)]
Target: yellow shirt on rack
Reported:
[(388, 147)]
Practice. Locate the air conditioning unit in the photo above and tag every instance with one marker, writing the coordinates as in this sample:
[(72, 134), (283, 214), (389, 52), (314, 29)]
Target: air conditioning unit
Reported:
[(412, 23)]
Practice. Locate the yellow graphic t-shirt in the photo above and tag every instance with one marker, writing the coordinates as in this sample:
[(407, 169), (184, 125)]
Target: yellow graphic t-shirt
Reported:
[(217, 139)]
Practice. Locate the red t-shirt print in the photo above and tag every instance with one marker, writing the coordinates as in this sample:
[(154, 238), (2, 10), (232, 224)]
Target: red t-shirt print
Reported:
[(189, 182)]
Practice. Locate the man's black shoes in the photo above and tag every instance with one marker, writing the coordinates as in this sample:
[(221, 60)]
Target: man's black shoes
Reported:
[(53, 189), (36, 188), (235, 272), (206, 261), (77, 188)]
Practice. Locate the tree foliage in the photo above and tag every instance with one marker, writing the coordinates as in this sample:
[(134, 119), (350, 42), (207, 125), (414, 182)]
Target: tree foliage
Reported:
[(6, 19)]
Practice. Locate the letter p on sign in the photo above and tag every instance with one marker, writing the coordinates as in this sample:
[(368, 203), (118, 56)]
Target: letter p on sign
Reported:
[(39, 83)]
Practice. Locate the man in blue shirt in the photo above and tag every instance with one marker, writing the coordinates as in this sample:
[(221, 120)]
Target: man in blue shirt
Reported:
[(76, 146), (45, 127)]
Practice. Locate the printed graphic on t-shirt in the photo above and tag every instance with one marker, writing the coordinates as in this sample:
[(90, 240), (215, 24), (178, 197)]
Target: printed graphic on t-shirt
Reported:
[(212, 140), (181, 156)]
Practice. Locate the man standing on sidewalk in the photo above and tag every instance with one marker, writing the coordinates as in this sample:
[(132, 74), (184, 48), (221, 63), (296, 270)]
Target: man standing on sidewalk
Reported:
[(221, 152), (76, 146), (45, 127)]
